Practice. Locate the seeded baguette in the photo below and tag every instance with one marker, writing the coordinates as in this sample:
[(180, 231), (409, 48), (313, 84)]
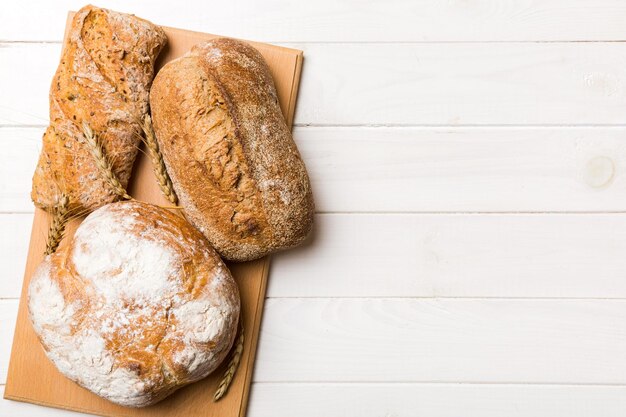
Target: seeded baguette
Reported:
[(102, 81), (227, 148)]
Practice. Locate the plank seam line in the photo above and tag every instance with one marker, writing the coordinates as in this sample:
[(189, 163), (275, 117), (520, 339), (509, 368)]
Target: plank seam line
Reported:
[(401, 126), (464, 125), (428, 213), (471, 213), (515, 384), (435, 298), (355, 42), (478, 383), (425, 298)]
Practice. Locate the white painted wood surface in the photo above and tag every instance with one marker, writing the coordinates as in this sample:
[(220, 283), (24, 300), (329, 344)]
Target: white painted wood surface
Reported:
[(468, 162), (409, 169), (428, 255), (433, 340), (351, 20), (434, 400), (562, 83)]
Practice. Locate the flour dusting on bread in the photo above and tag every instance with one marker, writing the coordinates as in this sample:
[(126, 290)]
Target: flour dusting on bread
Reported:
[(123, 265), (229, 152), (136, 306), (103, 79)]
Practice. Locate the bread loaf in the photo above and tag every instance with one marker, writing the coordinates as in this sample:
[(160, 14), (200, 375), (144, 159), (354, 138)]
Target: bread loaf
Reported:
[(103, 80), (229, 153), (136, 306)]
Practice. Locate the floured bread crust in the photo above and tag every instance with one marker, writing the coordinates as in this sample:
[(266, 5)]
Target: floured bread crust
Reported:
[(228, 150), (103, 79), (136, 306)]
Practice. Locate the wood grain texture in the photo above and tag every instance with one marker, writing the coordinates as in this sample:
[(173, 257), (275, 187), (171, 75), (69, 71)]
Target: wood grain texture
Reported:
[(333, 21), (433, 400), (8, 314), (443, 340), (14, 241), (463, 84), (465, 169), (406, 84), (19, 409), (19, 153), (32, 65), (545, 256), (365, 255), (52, 389), (500, 341), (357, 169)]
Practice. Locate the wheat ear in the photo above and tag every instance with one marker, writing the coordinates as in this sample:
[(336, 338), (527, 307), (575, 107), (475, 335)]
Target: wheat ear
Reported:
[(103, 163), (160, 171), (233, 364), (57, 226), (165, 183)]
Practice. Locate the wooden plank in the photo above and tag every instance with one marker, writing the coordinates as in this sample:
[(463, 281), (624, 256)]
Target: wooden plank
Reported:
[(427, 256), (457, 256), (33, 378), (332, 21), (19, 153), (32, 66), (464, 84), (8, 314), (465, 169), (406, 84), (444, 340), (14, 240), (433, 400), (421, 169), (18, 409)]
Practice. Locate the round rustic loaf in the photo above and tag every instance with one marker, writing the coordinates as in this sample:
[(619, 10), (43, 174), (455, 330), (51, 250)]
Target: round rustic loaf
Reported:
[(136, 306)]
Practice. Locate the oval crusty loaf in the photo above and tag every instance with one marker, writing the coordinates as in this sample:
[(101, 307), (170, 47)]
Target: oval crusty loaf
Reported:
[(136, 306), (229, 152), (103, 79)]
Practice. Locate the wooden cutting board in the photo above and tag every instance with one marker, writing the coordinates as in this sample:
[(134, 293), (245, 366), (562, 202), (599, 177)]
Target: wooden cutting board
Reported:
[(32, 377)]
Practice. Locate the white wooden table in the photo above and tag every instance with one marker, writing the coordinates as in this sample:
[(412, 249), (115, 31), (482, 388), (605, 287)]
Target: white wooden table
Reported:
[(468, 161)]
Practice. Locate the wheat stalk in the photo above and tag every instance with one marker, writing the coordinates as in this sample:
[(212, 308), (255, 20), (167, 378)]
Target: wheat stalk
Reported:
[(160, 171), (103, 163), (57, 227), (233, 364), (165, 183)]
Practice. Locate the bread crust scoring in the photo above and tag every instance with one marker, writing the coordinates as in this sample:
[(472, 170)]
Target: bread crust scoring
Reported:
[(229, 151), (136, 306), (103, 79)]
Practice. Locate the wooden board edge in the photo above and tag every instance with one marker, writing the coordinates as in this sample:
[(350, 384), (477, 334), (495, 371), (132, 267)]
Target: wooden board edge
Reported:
[(71, 13), (23, 298), (49, 405), (295, 87), (283, 48), (254, 340)]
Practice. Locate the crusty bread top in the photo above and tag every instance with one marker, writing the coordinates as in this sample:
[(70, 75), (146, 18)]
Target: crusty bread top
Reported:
[(229, 152), (137, 305), (103, 79)]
